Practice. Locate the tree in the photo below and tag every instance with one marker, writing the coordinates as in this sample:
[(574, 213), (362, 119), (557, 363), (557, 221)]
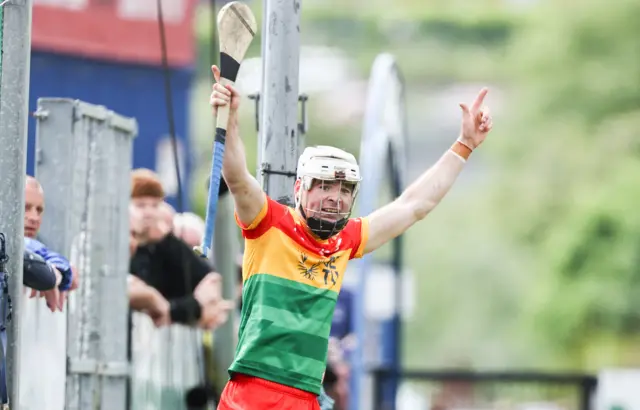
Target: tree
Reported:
[(575, 149)]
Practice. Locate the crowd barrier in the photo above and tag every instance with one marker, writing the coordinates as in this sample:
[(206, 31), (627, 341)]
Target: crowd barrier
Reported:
[(165, 361), (95, 354)]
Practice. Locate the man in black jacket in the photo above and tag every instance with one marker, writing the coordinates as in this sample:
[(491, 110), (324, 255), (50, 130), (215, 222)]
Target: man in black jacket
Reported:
[(166, 263)]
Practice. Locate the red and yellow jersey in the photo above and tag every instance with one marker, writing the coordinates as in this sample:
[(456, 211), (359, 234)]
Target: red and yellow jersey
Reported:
[(291, 284)]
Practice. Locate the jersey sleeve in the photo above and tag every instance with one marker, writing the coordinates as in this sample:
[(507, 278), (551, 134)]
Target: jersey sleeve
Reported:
[(359, 233), (270, 213)]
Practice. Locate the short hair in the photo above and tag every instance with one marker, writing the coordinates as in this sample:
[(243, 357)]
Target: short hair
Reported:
[(146, 183)]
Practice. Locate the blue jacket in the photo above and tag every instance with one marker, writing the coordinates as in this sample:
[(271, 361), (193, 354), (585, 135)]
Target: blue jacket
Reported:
[(53, 258)]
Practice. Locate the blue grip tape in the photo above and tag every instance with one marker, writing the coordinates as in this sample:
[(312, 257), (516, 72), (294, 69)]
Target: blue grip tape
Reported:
[(214, 191)]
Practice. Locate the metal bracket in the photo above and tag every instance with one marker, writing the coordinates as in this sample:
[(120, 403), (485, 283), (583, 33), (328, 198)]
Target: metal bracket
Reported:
[(41, 114), (303, 125), (256, 98), (94, 367), (124, 124), (94, 112), (265, 169)]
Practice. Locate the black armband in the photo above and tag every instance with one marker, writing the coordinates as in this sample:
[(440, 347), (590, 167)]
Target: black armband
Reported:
[(184, 309)]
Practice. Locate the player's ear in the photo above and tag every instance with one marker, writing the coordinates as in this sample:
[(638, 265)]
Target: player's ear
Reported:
[(296, 191)]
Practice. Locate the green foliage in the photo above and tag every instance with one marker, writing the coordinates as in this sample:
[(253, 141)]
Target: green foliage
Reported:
[(574, 156), (421, 37)]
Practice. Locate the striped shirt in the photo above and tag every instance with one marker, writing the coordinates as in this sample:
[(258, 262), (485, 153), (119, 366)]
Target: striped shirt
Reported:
[(291, 282)]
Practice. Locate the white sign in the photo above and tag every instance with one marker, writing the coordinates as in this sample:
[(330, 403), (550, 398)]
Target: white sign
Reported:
[(63, 4), (173, 11), (618, 389)]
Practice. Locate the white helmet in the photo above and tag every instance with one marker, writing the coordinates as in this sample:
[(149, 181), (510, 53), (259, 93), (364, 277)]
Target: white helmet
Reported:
[(326, 163)]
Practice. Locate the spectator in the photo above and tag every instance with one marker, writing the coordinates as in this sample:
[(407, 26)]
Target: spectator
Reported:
[(37, 274), (33, 210), (336, 382), (62, 267), (167, 214), (47, 273), (189, 227), (33, 207), (341, 323), (169, 265), (142, 297)]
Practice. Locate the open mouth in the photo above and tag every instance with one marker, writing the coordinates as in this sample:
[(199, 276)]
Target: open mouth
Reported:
[(330, 214), (330, 210)]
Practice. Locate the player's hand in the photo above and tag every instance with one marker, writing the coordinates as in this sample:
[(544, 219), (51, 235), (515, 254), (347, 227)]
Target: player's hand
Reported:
[(476, 121), (222, 95)]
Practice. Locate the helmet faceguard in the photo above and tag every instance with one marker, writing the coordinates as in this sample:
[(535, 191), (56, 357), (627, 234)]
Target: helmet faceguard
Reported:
[(334, 177)]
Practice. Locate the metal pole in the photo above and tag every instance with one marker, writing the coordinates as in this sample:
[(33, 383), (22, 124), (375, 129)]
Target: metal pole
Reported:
[(279, 98), (14, 106), (226, 250)]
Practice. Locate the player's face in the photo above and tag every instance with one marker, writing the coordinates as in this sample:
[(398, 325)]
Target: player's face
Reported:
[(328, 200), (33, 209)]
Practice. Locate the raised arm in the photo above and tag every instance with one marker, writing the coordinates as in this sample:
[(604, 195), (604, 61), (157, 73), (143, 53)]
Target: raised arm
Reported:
[(423, 195), (247, 194)]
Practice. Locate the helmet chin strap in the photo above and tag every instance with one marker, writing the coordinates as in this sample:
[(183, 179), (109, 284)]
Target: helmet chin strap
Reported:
[(323, 229)]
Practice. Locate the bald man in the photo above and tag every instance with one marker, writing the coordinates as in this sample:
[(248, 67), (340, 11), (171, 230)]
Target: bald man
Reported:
[(33, 207), (189, 227)]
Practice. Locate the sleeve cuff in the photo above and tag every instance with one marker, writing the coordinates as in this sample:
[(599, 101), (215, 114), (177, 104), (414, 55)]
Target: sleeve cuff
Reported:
[(184, 309)]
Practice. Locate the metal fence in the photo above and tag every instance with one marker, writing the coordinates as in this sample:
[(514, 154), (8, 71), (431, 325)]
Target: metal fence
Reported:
[(165, 364), (463, 390), (83, 162), (79, 359)]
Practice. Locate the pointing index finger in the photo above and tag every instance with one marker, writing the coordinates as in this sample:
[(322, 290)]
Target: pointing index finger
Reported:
[(479, 99)]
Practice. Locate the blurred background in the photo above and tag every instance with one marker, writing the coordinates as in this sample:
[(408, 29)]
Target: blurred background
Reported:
[(531, 262)]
